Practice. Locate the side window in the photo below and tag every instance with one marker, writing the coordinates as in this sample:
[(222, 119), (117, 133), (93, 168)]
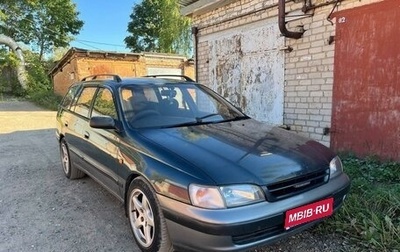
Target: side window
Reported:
[(69, 97), (104, 104), (82, 106)]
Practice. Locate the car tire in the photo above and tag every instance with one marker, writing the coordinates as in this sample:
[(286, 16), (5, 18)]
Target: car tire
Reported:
[(146, 219), (70, 171)]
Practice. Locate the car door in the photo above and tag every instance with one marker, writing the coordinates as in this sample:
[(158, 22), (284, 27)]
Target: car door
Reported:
[(77, 123), (66, 118), (103, 151)]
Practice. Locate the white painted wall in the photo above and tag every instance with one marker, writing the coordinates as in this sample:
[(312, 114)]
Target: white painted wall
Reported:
[(163, 70), (246, 66)]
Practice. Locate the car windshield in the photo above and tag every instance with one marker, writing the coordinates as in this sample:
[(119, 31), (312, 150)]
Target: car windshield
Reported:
[(174, 105)]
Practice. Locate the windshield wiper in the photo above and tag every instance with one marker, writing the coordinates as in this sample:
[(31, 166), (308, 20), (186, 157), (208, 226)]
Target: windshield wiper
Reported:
[(243, 117), (191, 123), (201, 118), (236, 118), (200, 122)]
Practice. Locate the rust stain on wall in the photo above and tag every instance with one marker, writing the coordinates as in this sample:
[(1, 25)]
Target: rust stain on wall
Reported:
[(366, 94)]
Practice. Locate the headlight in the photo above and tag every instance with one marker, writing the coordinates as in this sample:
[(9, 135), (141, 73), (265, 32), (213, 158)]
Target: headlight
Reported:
[(335, 167), (207, 197), (225, 196)]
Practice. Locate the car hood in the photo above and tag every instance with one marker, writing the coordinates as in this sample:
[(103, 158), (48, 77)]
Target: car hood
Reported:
[(245, 151)]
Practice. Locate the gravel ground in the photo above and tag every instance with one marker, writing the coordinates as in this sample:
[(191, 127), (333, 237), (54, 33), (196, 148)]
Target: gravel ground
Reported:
[(41, 210)]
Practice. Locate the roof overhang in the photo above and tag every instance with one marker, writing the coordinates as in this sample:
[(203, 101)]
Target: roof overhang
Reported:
[(199, 7), (83, 53)]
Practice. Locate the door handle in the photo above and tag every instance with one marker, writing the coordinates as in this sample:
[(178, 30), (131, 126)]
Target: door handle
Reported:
[(86, 135), (66, 124)]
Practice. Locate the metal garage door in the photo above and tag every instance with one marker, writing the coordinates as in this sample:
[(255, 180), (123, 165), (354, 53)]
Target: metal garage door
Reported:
[(163, 70), (247, 67), (366, 95)]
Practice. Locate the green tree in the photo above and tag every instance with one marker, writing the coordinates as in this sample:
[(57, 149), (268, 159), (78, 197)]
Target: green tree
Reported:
[(157, 26), (43, 24), (58, 53)]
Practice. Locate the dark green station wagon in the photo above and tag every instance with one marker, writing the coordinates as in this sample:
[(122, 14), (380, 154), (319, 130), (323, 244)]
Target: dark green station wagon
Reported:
[(193, 171)]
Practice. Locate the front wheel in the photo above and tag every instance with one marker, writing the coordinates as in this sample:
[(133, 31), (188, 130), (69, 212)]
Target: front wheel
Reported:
[(146, 219)]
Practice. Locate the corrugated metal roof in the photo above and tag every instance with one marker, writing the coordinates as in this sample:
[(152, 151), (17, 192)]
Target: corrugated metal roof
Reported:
[(184, 3)]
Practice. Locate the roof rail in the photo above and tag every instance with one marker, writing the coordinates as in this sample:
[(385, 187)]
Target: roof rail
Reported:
[(94, 77), (170, 75)]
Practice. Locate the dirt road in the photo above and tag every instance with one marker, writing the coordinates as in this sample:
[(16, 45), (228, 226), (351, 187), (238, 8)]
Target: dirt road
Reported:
[(41, 210)]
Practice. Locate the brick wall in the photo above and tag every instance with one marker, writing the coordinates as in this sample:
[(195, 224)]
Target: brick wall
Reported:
[(308, 67), (165, 62), (189, 70), (124, 68), (309, 73), (82, 66), (66, 77)]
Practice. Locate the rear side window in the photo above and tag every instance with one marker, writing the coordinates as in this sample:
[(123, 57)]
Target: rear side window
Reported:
[(69, 97), (82, 106), (104, 104)]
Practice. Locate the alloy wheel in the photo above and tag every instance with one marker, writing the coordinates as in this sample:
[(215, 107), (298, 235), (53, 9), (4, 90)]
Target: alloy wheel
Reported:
[(142, 218), (65, 158)]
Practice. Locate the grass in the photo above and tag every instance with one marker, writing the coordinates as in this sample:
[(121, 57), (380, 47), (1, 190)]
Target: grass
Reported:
[(46, 99), (43, 98), (370, 216)]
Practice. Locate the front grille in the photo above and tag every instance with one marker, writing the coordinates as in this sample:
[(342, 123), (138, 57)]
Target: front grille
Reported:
[(290, 187)]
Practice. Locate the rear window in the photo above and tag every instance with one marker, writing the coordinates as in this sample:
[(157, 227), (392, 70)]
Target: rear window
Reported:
[(82, 106)]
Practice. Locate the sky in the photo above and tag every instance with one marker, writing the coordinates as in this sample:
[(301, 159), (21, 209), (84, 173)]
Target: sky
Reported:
[(106, 22)]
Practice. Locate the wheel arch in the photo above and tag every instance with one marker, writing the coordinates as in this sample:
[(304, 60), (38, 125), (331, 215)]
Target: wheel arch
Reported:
[(60, 136), (163, 179)]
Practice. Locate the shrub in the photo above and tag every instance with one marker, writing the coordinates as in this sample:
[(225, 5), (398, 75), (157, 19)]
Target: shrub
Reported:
[(370, 215), (40, 88)]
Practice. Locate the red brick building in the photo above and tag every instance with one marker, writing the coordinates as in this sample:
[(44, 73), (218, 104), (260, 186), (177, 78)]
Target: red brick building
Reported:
[(79, 63)]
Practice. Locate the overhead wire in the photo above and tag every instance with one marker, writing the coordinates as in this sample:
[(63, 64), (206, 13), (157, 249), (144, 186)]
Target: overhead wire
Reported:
[(81, 41)]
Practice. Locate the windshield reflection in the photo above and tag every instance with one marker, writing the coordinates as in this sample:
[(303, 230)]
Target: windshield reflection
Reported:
[(174, 105)]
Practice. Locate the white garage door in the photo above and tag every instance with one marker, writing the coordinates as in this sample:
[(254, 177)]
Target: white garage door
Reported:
[(246, 66), (159, 70)]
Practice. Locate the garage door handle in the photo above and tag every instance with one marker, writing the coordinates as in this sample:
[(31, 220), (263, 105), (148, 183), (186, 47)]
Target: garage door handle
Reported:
[(86, 135)]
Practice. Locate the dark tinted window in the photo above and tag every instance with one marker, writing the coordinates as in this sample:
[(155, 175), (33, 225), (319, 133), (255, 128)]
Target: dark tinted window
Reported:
[(104, 104), (69, 97), (84, 101)]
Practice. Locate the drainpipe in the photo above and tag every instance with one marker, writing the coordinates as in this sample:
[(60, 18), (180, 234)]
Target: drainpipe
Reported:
[(282, 23), (195, 31)]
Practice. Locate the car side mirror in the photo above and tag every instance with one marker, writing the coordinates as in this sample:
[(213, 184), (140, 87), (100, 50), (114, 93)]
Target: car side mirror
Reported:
[(102, 122)]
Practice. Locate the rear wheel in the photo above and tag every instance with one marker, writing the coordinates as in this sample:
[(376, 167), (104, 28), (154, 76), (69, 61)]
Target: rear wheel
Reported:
[(146, 219), (70, 171)]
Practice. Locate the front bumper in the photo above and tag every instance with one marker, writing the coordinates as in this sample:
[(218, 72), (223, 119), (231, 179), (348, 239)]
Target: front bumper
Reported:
[(195, 229)]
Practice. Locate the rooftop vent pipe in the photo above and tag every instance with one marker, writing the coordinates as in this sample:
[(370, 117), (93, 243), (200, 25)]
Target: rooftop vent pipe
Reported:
[(282, 23)]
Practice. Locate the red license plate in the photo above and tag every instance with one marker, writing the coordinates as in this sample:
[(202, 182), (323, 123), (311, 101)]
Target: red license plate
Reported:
[(307, 213)]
